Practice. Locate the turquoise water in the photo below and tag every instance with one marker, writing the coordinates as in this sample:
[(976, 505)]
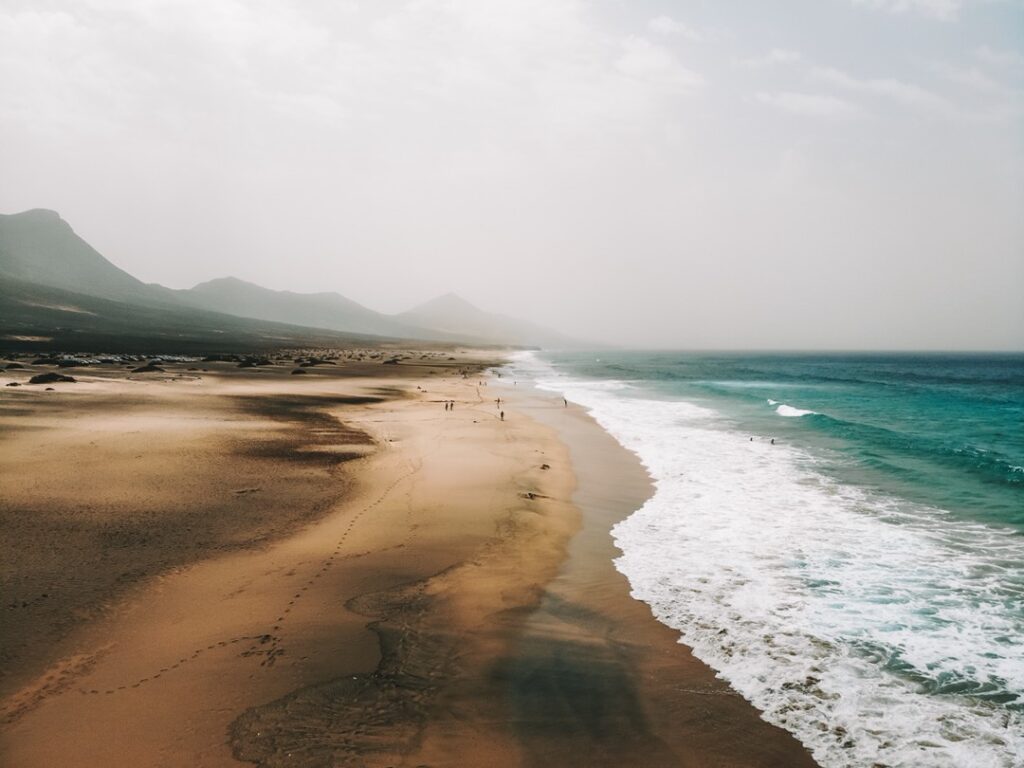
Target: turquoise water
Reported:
[(841, 537), (946, 430)]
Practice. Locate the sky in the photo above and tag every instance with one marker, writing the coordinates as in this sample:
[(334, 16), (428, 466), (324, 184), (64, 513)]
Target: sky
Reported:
[(820, 174)]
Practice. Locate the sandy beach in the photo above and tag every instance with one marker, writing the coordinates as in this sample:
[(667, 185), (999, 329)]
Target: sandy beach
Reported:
[(230, 567)]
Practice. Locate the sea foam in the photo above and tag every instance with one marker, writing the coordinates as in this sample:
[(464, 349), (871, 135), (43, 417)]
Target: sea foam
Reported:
[(876, 631), (789, 410)]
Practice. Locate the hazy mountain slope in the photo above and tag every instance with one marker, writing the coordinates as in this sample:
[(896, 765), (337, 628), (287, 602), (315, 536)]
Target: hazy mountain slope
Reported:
[(453, 314), (34, 317), (318, 310), (38, 246)]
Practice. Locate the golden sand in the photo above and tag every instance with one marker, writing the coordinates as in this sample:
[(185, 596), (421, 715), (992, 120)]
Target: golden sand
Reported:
[(333, 569)]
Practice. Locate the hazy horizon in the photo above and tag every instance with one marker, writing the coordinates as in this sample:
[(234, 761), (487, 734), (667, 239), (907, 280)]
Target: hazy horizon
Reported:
[(819, 174)]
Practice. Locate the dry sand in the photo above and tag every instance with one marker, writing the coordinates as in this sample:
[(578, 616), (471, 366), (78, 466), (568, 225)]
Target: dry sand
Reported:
[(332, 569)]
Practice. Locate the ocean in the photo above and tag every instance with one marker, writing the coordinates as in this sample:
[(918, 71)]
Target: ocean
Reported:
[(840, 537)]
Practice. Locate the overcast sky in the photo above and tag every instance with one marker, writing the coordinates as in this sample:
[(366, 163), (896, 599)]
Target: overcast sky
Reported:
[(813, 173)]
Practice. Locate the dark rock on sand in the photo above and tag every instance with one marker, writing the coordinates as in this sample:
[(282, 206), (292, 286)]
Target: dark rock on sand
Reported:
[(50, 378), (14, 366), (252, 362), (13, 384), (148, 368), (298, 371)]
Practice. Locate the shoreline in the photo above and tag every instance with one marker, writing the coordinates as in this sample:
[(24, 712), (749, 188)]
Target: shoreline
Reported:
[(455, 605), (678, 711)]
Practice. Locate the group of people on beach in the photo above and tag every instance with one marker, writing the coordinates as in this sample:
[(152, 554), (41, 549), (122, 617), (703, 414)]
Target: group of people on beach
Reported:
[(449, 405)]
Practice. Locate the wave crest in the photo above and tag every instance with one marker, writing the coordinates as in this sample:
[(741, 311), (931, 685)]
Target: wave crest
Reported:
[(790, 412)]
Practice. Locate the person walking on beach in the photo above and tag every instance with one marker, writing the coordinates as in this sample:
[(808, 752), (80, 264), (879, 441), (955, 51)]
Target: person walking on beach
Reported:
[(565, 403), (502, 415)]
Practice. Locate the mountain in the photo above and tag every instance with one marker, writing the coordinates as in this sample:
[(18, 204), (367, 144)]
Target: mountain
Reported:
[(318, 310), (39, 250), (453, 314), (58, 291), (35, 317), (39, 247)]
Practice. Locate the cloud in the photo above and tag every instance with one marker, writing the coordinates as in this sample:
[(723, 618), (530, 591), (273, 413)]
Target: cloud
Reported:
[(669, 27), (654, 64), (810, 104), (773, 57), (585, 153), (891, 88), (782, 56), (983, 96), (1011, 61), (458, 66), (943, 10), (969, 77)]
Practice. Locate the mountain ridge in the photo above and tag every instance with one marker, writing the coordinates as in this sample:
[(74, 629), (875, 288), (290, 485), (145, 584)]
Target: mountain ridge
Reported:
[(39, 247), (449, 310), (34, 317), (324, 309)]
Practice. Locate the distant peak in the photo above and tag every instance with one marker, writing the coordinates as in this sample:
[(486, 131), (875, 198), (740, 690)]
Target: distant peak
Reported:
[(39, 214), (449, 299), (224, 281), (38, 219)]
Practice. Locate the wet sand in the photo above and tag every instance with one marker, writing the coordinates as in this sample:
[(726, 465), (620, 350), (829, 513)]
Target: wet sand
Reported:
[(350, 575), (592, 663)]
